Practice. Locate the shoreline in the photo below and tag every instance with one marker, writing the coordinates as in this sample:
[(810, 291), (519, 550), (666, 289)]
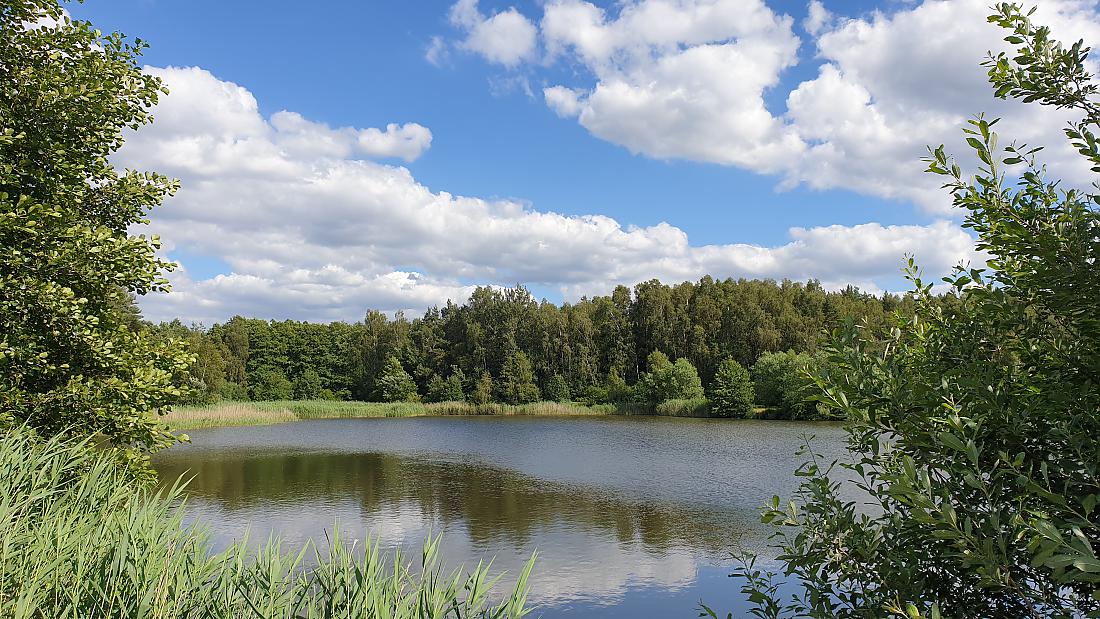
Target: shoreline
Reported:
[(226, 414)]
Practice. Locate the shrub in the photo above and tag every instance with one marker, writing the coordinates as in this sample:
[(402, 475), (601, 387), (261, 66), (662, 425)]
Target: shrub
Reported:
[(974, 424), (395, 384), (670, 381), (732, 394), (781, 381), (271, 384), (557, 390)]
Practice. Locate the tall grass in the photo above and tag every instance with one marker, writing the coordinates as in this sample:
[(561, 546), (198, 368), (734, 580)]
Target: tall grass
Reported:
[(255, 413), (80, 538), (695, 407)]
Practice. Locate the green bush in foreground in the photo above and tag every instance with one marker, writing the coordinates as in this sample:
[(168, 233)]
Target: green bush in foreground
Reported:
[(975, 426), (80, 538)]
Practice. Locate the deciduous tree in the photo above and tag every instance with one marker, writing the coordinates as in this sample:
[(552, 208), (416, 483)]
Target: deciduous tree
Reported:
[(70, 359), (733, 394)]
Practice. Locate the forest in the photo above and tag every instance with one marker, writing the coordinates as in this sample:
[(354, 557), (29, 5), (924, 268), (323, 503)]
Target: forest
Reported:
[(503, 345)]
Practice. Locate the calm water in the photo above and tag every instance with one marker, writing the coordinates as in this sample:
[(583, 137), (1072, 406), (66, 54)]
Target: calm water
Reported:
[(632, 517)]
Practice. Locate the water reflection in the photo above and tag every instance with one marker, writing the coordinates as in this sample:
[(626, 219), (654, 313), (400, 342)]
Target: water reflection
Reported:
[(620, 512)]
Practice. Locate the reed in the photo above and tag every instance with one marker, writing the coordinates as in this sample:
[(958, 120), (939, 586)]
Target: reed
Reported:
[(258, 413), (695, 407), (81, 537)]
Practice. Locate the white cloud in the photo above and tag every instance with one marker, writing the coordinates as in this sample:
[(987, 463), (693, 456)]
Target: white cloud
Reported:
[(566, 102), (817, 17), (679, 79), (506, 38), (688, 79), (436, 52), (211, 125), (892, 84), (311, 232)]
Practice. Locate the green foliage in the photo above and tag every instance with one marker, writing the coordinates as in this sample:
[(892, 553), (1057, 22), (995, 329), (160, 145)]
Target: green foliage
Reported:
[(233, 391), (733, 394), (79, 538), (395, 384), (482, 393), (974, 425), (271, 384), (437, 388), (447, 390), (618, 391), (558, 389), (684, 407), (517, 380), (670, 381), (70, 357), (782, 382), (454, 389), (594, 394), (308, 386), (597, 345)]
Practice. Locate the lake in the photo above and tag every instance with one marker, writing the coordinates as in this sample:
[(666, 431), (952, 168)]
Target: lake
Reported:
[(631, 516)]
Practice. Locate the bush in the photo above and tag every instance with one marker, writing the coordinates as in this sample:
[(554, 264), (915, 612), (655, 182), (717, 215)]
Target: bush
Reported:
[(781, 382), (557, 390), (732, 394), (482, 393), (271, 384), (618, 392), (974, 425), (670, 381), (233, 391), (395, 384), (516, 384), (308, 386)]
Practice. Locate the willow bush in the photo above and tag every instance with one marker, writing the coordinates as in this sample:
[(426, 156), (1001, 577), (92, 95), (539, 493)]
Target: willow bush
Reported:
[(80, 537), (975, 425)]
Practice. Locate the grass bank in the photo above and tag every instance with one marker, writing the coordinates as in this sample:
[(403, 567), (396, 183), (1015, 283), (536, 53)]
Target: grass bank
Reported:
[(259, 413), (80, 537)]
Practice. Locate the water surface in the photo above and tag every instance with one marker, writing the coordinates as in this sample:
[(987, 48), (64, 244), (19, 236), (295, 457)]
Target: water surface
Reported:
[(632, 517)]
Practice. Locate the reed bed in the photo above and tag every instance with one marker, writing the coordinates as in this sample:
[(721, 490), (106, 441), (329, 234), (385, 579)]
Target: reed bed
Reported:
[(81, 537), (695, 407), (258, 413)]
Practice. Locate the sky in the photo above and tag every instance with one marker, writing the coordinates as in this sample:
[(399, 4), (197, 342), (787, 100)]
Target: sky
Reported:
[(394, 155)]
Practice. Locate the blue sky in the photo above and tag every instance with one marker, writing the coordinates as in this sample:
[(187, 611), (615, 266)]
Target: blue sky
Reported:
[(496, 136)]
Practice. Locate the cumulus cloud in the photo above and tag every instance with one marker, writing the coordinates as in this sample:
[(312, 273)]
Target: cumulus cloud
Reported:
[(566, 102), (211, 126), (817, 17), (689, 79), (505, 38), (892, 84), (678, 79), (310, 231)]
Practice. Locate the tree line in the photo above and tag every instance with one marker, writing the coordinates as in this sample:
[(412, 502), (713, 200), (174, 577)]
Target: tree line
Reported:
[(652, 343)]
